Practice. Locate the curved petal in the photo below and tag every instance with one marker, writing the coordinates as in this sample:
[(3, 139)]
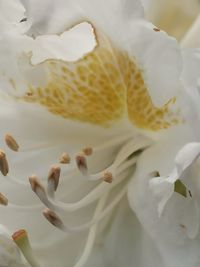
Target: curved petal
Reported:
[(169, 231), (174, 17), (143, 46), (191, 65), (70, 12), (127, 232)]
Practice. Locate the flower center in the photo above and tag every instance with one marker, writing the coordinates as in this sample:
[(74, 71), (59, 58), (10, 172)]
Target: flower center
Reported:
[(104, 86), (106, 187)]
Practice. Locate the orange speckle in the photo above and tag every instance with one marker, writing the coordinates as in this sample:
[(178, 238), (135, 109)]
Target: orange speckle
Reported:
[(102, 88), (156, 29)]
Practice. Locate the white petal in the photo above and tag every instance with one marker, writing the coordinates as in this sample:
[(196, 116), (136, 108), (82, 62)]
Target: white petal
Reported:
[(191, 65), (160, 60), (65, 14), (126, 31), (163, 187), (168, 231), (173, 16), (127, 243), (186, 156), (11, 13)]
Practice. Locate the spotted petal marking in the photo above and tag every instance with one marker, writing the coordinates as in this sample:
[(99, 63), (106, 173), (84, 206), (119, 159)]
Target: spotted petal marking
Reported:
[(103, 87)]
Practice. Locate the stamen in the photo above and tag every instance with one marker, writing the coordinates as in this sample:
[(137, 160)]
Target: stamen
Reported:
[(3, 200), (65, 159), (4, 168), (53, 218), (11, 142), (91, 236), (53, 180), (39, 190), (35, 184), (87, 151), (22, 241), (108, 177), (82, 164), (96, 193), (54, 176)]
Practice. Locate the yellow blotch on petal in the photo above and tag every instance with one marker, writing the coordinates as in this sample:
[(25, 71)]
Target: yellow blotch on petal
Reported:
[(101, 88), (89, 90)]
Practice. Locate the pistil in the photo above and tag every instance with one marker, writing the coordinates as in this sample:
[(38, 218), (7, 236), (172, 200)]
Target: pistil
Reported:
[(22, 241)]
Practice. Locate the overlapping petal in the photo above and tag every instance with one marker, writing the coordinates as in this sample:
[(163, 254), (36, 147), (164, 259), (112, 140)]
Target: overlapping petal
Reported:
[(47, 99)]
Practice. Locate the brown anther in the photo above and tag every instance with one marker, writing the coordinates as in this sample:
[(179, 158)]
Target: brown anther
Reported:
[(156, 29), (35, 184), (81, 163), (4, 168), (190, 193), (65, 158), (29, 94), (11, 142), (108, 177), (87, 151), (54, 175), (3, 200), (183, 226), (52, 217), (154, 174)]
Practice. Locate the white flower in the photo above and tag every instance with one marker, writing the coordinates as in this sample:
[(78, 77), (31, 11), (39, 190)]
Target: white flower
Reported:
[(91, 100)]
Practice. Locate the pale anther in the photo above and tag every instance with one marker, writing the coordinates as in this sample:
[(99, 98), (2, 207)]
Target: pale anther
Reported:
[(54, 175), (108, 177), (3, 200), (65, 158), (11, 142), (87, 151), (4, 168)]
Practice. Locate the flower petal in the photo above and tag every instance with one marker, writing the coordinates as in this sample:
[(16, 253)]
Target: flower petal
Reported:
[(127, 244), (65, 14), (171, 236), (174, 17)]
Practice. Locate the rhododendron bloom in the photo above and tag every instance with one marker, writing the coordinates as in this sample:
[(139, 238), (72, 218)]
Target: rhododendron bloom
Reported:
[(95, 104)]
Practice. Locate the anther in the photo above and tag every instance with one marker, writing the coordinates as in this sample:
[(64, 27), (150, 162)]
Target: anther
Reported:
[(154, 174), (11, 142), (156, 29), (108, 177), (65, 158), (23, 20), (35, 184), (4, 168), (29, 94), (87, 151), (82, 163), (3, 200), (53, 218), (22, 241), (39, 190), (54, 175)]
